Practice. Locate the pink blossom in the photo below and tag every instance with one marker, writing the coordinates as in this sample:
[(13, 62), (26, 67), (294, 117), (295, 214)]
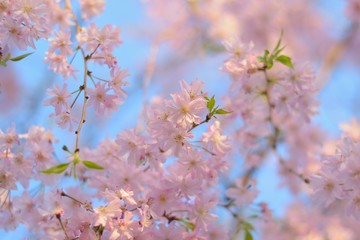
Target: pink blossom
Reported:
[(117, 81), (8, 139), (61, 42), (30, 10), (244, 192), (7, 180), (174, 138), (123, 227), (242, 68), (65, 120), (104, 214), (327, 188), (237, 48), (194, 89), (16, 36), (184, 111), (91, 8), (103, 102), (162, 199), (215, 142), (106, 39), (193, 163), (201, 211), (59, 99), (145, 217), (121, 194), (60, 65), (59, 16), (353, 206), (131, 143)]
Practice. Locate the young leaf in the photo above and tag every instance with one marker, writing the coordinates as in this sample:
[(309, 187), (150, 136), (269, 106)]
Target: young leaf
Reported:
[(248, 226), (248, 235), (266, 53), (188, 225), (7, 57), (4, 60), (276, 53), (270, 62), (279, 42), (18, 58), (285, 60), (222, 111), (211, 103), (65, 148), (57, 169), (92, 165), (261, 59)]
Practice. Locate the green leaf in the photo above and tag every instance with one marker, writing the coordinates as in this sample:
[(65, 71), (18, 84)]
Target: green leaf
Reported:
[(65, 148), (270, 63), (279, 42), (261, 59), (276, 53), (248, 235), (248, 226), (18, 58), (264, 58), (222, 111), (285, 60), (211, 103), (7, 57), (92, 165), (266, 53), (57, 169), (188, 225), (4, 60)]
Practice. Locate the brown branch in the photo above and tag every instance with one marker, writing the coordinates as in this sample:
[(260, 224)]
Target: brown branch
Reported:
[(58, 216), (276, 132), (207, 119)]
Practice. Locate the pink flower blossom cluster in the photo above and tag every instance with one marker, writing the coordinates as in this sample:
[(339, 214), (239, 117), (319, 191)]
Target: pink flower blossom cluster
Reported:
[(23, 156), (141, 195), (189, 170), (336, 183), (96, 46), (210, 22), (275, 108), (22, 23)]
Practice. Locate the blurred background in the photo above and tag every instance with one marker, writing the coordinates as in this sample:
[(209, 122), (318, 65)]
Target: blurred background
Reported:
[(166, 41)]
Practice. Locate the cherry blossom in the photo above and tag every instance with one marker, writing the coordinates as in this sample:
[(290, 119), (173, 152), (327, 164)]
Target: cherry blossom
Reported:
[(102, 101), (59, 99), (191, 164)]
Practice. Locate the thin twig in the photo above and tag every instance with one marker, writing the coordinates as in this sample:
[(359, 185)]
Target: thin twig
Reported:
[(58, 216), (83, 113), (276, 132), (207, 119)]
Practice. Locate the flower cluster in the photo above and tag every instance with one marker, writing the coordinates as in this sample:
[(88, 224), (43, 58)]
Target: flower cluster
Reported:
[(190, 165), (336, 182), (143, 194), (275, 106), (22, 23), (23, 156), (96, 46)]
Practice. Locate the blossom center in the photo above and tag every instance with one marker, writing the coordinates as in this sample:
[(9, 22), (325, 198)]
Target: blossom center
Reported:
[(329, 186)]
